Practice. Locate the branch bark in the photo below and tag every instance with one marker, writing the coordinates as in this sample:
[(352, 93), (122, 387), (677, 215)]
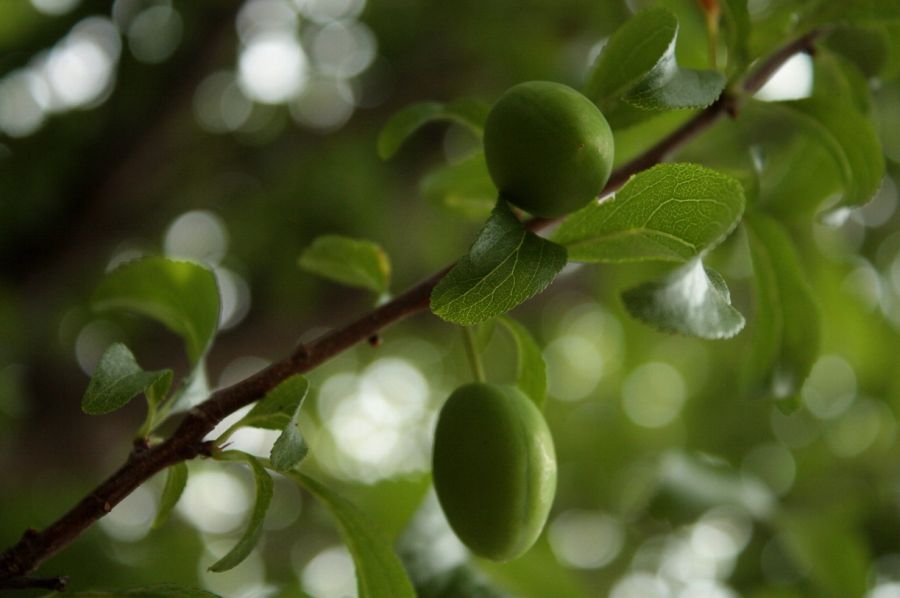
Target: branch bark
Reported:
[(186, 442)]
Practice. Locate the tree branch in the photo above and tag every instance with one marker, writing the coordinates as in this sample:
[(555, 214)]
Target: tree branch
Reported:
[(186, 442)]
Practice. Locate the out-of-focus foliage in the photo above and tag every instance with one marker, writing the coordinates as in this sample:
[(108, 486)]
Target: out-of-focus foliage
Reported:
[(152, 127)]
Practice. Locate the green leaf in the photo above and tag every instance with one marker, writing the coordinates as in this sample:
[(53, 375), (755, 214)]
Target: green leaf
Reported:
[(465, 187), (176, 480), (166, 590), (638, 63), (352, 262), (672, 212), (117, 379), (692, 300), (183, 296), (531, 371), (157, 392), (254, 527), (847, 135), (469, 113), (278, 408), (505, 266), (630, 53), (785, 341), (379, 572), (290, 447)]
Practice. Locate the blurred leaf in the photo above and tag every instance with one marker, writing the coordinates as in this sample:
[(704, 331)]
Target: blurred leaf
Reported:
[(785, 342), (868, 47), (505, 266), (469, 113), (254, 529), (855, 12), (848, 136), (737, 33), (378, 570), (166, 590), (280, 406), (835, 76), (832, 551), (638, 63), (176, 480), (671, 212), (484, 332), (117, 379), (183, 296), (352, 262), (531, 371), (692, 300), (464, 187)]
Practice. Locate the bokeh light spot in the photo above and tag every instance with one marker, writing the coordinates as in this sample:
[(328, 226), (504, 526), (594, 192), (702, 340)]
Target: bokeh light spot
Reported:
[(272, 68), (653, 395), (585, 539)]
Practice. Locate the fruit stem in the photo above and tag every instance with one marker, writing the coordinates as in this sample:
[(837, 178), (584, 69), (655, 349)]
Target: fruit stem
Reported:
[(473, 354)]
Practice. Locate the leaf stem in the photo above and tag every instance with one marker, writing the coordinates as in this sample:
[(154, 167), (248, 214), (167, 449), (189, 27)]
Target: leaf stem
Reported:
[(472, 353)]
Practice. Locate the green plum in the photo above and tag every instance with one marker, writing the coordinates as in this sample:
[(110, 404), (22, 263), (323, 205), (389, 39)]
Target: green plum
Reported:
[(494, 469), (549, 149)]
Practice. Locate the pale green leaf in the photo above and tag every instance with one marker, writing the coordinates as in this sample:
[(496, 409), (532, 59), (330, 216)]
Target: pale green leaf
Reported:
[(505, 266), (117, 379), (692, 300), (469, 113), (176, 480), (785, 340), (531, 371), (254, 529), (290, 448), (277, 409), (672, 212), (352, 262), (379, 572), (638, 64), (183, 296), (464, 187)]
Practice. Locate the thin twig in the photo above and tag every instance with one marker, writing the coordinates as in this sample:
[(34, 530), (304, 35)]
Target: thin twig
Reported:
[(186, 442)]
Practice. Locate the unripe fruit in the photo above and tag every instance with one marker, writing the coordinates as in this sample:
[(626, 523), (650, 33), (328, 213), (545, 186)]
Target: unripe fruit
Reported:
[(549, 150), (494, 469)]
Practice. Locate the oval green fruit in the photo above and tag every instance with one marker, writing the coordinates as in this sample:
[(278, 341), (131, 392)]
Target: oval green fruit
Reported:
[(549, 149), (494, 469)]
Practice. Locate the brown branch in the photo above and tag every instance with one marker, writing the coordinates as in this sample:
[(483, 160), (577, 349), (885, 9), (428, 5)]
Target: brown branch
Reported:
[(186, 442)]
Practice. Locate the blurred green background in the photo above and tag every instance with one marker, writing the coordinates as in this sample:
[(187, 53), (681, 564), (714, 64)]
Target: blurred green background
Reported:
[(233, 133)]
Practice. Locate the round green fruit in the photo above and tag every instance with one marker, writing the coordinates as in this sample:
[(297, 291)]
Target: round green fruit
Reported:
[(549, 150), (494, 469)]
